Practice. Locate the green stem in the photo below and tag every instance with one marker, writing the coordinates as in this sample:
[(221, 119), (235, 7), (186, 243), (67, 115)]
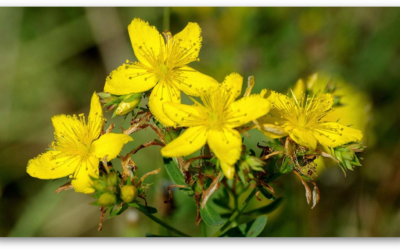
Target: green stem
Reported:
[(236, 213), (162, 223), (166, 18)]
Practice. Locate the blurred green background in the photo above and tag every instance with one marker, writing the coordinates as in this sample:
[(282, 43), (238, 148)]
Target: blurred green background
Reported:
[(53, 59)]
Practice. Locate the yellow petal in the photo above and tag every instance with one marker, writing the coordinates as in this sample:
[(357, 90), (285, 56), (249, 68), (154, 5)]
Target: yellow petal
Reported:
[(194, 83), (233, 84), (321, 103), (109, 144), (185, 115), (187, 143), (271, 131), (46, 166), (71, 131), (226, 143), (247, 109), (300, 89), (82, 182), (303, 137), (229, 170), (279, 101), (161, 94), (146, 41), (64, 124), (312, 80), (189, 44), (96, 119), (332, 134), (130, 78)]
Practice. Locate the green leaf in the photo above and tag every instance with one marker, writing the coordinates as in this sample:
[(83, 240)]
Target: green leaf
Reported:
[(119, 210), (173, 171), (143, 209), (266, 209), (176, 175), (251, 229), (210, 216)]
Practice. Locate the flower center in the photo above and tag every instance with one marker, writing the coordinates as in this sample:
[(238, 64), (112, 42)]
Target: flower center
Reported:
[(163, 69)]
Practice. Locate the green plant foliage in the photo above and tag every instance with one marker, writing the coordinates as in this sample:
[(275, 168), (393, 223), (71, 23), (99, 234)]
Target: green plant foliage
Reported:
[(210, 216), (251, 229), (266, 209)]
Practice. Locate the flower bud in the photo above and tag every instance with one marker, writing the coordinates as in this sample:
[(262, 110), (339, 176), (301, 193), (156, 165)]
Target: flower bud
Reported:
[(107, 199), (111, 179), (128, 104), (104, 95), (129, 193), (198, 188), (99, 185)]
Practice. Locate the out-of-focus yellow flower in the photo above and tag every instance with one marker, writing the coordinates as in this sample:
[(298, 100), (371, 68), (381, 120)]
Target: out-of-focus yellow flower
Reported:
[(77, 149), (214, 122), (355, 110), (304, 119), (162, 65)]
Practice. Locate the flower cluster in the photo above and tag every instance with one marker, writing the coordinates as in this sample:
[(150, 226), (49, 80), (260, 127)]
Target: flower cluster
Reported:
[(297, 127)]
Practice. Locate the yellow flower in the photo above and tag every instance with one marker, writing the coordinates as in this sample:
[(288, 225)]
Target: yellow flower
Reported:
[(161, 65), (214, 122), (305, 120), (77, 149), (355, 111)]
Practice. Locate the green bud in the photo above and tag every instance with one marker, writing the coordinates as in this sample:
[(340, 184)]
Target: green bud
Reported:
[(129, 193), (107, 199), (254, 163), (128, 104), (112, 179), (104, 95), (99, 185), (349, 155), (197, 187)]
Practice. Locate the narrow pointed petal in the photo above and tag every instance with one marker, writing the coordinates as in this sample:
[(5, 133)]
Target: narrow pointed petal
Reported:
[(189, 44), (300, 89), (247, 109), (146, 41), (194, 83), (82, 182), (226, 144), (187, 143), (46, 166), (185, 115), (161, 94), (130, 78), (109, 145), (96, 119), (333, 134)]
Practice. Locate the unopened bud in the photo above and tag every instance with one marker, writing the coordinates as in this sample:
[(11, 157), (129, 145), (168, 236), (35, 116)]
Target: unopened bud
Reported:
[(112, 179), (107, 199), (197, 187), (99, 185), (128, 104), (129, 193), (104, 95)]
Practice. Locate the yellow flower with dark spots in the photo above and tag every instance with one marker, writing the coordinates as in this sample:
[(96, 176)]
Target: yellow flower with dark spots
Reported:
[(214, 122), (162, 65), (305, 119), (78, 149)]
